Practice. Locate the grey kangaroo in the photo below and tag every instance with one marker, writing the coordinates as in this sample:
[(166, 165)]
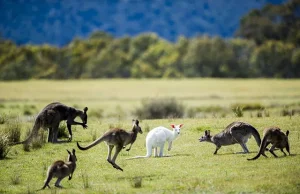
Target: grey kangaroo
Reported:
[(61, 169), (116, 137), (236, 132), (51, 116), (275, 137)]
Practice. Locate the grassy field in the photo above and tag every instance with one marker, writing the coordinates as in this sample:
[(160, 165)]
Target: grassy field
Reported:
[(192, 167)]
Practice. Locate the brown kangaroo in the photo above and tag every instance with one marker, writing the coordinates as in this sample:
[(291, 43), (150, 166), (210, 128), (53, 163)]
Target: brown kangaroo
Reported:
[(275, 137), (51, 116), (236, 132), (116, 137), (61, 169)]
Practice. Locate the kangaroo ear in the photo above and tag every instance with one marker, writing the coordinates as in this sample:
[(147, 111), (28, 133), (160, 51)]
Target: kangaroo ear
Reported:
[(85, 109), (287, 133), (73, 151), (180, 125), (208, 132), (173, 126), (69, 152), (205, 132)]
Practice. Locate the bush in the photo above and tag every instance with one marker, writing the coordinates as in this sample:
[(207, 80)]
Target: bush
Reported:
[(160, 108), (4, 145)]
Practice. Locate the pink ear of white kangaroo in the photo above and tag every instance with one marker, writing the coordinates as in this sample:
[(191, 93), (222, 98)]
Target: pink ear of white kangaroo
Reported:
[(173, 126)]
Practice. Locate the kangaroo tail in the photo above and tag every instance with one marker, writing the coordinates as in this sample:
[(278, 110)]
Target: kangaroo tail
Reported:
[(149, 150), (256, 135), (261, 148), (97, 141), (34, 133)]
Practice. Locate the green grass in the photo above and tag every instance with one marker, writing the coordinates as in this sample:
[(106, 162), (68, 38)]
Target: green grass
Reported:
[(192, 167)]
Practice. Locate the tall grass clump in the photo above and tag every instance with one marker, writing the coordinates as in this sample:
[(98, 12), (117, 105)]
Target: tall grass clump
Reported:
[(137, 182), (160, 108), (13, 130), (85, 180), (238, 111), (29, 109), (4, 144), (15, 178), (37, 142), (3, 118), (62, 131)]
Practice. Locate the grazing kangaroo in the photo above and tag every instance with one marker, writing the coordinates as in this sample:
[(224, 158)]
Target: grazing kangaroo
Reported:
[(51, 116), (61, 169), (116, 137), (275, 137), (157, 137), (236, 132)]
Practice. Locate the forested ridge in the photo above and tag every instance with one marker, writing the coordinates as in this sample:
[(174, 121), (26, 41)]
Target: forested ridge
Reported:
[(266, 45)]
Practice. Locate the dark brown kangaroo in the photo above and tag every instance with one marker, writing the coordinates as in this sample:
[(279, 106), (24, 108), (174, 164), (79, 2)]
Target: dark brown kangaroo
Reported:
[(61, 169), (119, 138), (51, 116), (236, 132), (275, 137)]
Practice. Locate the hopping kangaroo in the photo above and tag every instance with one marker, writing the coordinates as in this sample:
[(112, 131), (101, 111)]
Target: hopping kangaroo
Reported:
[(157, 137), (116, 137), (51, 116), (275, 137), (61, 169), (236, 132)]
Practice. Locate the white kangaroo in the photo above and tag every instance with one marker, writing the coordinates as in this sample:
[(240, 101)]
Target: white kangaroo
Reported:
[(157, 137)]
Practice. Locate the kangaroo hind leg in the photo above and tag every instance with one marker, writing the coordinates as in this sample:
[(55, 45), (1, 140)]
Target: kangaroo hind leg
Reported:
[(244, 146), (57, 183), (113, 162)]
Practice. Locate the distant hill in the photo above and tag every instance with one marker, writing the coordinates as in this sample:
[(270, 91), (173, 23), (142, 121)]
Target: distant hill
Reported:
[(57, 22)]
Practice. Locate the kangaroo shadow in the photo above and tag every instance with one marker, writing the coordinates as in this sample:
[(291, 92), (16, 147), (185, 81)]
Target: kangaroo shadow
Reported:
[(234, 153), (175, 155), (62, 141)]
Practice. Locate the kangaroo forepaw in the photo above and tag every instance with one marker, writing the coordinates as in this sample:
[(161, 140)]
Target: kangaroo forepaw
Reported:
[(128, 149)]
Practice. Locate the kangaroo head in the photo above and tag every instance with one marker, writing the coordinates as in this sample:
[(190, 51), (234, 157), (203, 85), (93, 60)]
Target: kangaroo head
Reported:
[(83, 116), (136, 126), (72, 157), (206, 136), (176, 128)]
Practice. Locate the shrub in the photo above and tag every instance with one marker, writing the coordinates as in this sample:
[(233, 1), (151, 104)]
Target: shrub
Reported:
[(4, 145), (160, 108)]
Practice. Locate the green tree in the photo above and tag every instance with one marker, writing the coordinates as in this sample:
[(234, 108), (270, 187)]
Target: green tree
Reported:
[(273, 59)]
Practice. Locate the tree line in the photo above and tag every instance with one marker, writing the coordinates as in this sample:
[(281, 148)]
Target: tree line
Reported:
[(266, 45)]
